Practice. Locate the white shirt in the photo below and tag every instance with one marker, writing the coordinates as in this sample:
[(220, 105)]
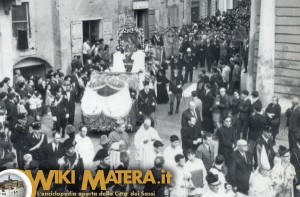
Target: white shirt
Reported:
[(85, 148), (138, 61), (197, 164), (169, 156), (86, 48), (118, 64)]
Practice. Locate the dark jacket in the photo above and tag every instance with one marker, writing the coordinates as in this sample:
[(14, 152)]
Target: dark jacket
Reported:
[(185, 118), (239, 171), (145, 102), (269, 149), (206, 155), (295, 160), (60, 108), (294, 120), (49, 157), (245, 109), (227, 140), (256, 126), (12, 113), (189, 62), (174, 82), (188, 135)]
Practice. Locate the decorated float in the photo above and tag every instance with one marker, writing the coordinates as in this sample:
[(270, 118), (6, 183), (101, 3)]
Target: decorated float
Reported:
[(108, 98)]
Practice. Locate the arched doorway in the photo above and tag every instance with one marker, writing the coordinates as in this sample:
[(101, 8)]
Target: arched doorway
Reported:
[(33, 66)]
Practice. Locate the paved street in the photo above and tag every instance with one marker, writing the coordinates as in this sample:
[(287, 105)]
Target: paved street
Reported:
[(166, 125)]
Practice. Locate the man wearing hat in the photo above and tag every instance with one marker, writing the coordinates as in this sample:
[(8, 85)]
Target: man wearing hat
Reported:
[(283, 174), (60, 112), (264, 140), (240, 169), (35, 140), (175, 89), (71, 160), (189, 65), (147, 102), (18, 133)]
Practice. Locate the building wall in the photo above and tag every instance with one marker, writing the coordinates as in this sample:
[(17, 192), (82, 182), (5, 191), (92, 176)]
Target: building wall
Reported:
[(80, 10), (287, 47)]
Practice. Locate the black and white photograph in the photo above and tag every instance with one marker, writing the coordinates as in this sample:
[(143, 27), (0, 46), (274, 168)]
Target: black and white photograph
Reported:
[(205, 89)]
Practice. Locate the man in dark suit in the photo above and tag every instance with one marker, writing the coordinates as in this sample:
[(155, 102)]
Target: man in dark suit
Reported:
[(255, 100), (240, 168), (147, 102), (245, 53), (190, 136), (244, 114), (256, 126), (264, 140), (210, 55), (189, 65), (205, 151), (12, 112), (75, 83), (295, 160), (191, 111), (70, 95), (158, 189), (175, 88), (60, 112), (35, 141), (51, 152), (207, 103), (293, 122), (200, 53), (227, 139)]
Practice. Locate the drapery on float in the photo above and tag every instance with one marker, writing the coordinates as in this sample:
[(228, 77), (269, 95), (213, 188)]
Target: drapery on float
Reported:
[(109, 97)]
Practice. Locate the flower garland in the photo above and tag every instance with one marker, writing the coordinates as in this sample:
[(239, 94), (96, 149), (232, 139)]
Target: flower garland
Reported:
[(125, 30)]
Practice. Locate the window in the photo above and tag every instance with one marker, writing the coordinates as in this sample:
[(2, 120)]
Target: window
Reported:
[(20, 19)]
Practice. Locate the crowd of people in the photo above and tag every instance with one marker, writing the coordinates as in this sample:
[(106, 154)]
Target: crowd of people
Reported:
[(245, 162)]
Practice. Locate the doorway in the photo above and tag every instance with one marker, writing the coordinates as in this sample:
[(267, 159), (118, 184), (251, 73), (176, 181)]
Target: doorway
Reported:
[(195, 14), (90, 30), (209, 8), (141, 17)]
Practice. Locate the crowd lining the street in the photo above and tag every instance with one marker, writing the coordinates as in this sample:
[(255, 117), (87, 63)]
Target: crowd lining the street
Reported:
[(245, 163)]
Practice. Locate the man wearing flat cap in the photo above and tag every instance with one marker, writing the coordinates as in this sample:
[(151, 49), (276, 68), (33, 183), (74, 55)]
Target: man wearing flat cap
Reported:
[(35, 140), (240, 168), (264, 140)]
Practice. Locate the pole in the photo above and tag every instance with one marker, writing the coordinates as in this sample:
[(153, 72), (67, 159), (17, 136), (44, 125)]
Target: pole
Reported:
[(266, 52)]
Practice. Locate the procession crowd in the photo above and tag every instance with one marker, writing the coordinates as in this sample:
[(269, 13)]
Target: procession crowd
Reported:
[(245, 163)]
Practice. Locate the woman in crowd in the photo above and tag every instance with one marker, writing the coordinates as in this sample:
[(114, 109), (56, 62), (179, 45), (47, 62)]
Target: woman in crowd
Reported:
[(162, 93)]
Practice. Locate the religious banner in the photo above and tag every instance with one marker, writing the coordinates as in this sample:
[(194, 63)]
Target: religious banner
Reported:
[(171, 43)]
